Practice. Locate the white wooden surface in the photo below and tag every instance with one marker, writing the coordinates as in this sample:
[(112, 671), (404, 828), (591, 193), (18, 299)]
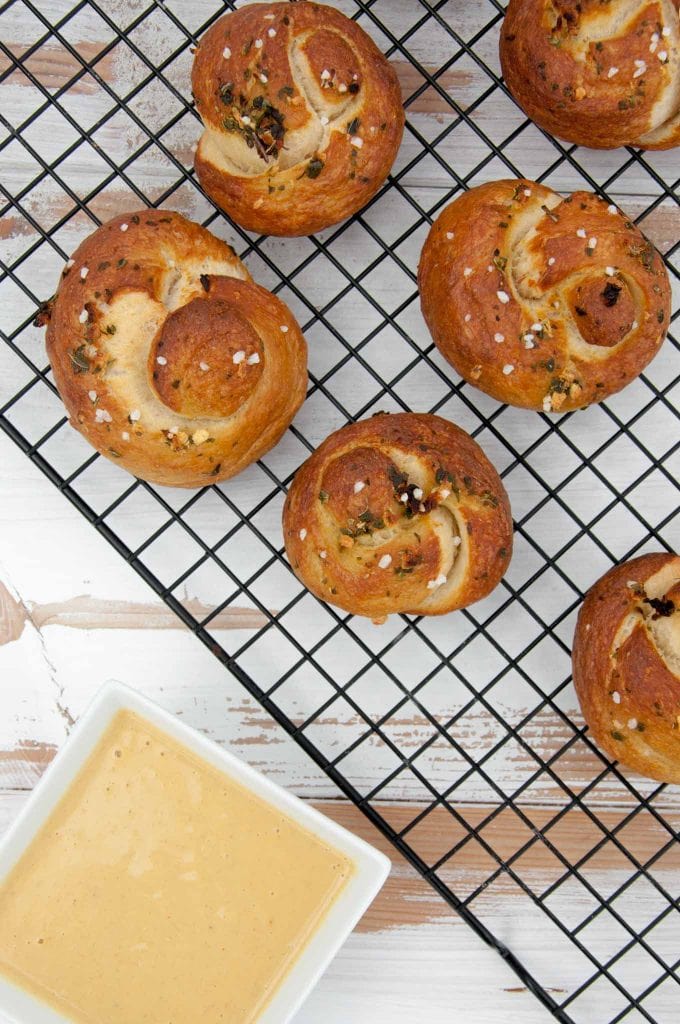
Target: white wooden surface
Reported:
[(73, 615), (411, 958)]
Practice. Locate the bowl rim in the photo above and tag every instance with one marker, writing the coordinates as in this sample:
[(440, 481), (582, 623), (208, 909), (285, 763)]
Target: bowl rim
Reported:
[(371, 866)]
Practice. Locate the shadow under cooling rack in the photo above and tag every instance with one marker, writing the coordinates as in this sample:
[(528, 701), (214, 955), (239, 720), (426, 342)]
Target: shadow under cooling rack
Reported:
[(460, 737)]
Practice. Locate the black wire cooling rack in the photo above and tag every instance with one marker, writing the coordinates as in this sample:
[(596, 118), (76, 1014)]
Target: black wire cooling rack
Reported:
[(567, 867)]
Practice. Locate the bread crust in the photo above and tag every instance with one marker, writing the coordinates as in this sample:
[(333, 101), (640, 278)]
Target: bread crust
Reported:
[(169, 359), (599, 76), (626, 661), (398, 513), (302, 114), (542, 302)]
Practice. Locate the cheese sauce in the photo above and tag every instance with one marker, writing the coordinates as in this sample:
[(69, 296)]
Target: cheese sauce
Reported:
[(161, 891)]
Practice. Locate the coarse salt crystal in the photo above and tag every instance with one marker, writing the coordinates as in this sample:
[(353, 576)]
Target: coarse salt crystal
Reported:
[(592, 242), (610, 271), (640, 68), (662, 55), (444, 493), (203, 366), (92, 395), (322, 554), (325, 75), (551, 261), (123, 227), (581, 232), (547, 404), (632, 723), (342, 87), (258, 44), (612, 209), (527, 191), (528, 337), (84, 271), (634, 326), (83, 316), (238, 357), (417, 493), (135, 415), (385, 561), (359, 486), (245, 119), (161, 360), (467, 271), (499, 337), (253, 359), (124, 434), (468, 318), (665, 32), (508, 368), (102, 416), (612, 72), (69, 264), (356, 141), (450, 235), (271, 32), (323, 119), (302, 534), (404, 497), (490, 268), (226, 53), (529, 342), (456, 542), (264, 79), (284, 329), (440, 580), (503, 296), (616, 697)]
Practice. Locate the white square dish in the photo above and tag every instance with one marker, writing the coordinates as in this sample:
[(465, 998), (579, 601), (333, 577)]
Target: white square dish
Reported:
[(370, 867)]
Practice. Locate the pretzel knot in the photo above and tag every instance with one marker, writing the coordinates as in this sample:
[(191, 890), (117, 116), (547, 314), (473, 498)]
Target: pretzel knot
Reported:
[(627, 664), (169, 359), (542, 302), (398, 513), (302, 116), (599, 74)]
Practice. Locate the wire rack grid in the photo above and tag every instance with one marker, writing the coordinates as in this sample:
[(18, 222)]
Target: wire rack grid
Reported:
[(486, 779)]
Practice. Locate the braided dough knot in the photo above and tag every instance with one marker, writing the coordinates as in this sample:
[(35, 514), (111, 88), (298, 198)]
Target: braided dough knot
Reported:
[(302, 116), (627, 664), (599, 74), (398, 513), (540, 301), (169, 359)]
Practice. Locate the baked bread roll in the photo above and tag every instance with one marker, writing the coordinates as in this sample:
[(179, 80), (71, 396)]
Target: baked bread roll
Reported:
[(627, 664), (599, 74), (303, 116), (542, 302), (169, 360), (398, 513)]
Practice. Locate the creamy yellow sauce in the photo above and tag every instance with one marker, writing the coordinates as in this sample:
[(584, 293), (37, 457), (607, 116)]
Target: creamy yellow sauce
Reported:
[(159, 890)]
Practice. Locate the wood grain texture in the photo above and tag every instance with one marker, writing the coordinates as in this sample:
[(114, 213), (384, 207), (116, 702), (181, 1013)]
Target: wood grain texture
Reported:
[(73, 614)]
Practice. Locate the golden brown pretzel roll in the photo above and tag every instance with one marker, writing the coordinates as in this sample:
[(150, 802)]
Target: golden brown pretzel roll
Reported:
[(627, 664), (542, 302), (302, 113), (169, 360), (398, 513), (599, 74)]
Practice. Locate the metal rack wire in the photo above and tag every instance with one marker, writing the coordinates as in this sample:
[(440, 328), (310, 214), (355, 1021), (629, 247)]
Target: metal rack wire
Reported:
[(580, 511)]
